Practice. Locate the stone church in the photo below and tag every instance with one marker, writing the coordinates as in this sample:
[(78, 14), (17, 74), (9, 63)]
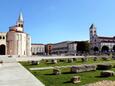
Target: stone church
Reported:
[(15, 41), (100, 43)]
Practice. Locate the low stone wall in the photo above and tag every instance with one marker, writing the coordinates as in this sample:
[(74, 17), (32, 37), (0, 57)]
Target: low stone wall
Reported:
[(83, 68), (104, 66), (107, 73)]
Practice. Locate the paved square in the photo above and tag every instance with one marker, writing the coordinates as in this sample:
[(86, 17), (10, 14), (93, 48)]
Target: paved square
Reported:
[(14, 74)]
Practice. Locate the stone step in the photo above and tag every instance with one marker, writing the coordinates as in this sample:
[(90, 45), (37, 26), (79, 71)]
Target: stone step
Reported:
[(8, 59)]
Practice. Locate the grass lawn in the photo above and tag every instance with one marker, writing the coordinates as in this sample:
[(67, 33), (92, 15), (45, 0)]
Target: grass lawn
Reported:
[(48, 79), (64, 79), (65, 63)]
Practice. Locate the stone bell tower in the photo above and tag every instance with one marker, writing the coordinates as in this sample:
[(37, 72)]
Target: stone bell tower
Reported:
[(92, 32), (20, 22)]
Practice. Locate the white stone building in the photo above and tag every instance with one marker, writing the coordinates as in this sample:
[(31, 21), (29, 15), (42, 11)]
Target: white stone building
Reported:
[(65, 48), (72, 48), (3, 48), (100, 43), (38, 49), (16, 41)]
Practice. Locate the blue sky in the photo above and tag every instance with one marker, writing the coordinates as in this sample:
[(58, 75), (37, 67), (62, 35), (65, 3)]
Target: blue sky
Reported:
[(51, 21)]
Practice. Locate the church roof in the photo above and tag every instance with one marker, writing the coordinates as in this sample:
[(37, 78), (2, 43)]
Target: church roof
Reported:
[(37, 44), (102, 37), (112, 41), (92, 26), (20, 18)]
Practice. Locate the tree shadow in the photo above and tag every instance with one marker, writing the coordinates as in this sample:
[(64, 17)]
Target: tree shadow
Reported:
[(67, 82), (49, 74), (102, 76), (68, 73)]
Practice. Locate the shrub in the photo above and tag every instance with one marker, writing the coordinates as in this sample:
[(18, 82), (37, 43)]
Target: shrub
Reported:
[(104, 66)]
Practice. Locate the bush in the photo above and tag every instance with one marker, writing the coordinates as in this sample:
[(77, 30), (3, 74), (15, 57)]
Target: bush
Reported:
[(104, 66)]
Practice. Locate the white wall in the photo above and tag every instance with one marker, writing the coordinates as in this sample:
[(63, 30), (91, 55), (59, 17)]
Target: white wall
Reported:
[(38, 48)]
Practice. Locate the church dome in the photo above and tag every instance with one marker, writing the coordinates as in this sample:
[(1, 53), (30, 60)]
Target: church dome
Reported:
[(16, 29), (13, 28)]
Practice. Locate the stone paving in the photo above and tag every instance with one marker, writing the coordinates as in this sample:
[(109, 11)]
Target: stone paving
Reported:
[(14, 74)]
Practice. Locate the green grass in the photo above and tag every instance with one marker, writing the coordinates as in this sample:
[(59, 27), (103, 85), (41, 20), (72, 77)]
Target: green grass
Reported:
[(64, 79), (65, 63)]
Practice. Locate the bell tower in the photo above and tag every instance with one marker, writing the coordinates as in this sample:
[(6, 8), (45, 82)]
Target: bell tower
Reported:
[(20, 21), (92, 32)]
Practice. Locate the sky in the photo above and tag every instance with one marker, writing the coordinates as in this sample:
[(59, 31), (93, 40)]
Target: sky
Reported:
[(52, 21)]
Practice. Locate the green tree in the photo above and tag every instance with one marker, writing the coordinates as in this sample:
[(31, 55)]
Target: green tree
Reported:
[(83, 46)]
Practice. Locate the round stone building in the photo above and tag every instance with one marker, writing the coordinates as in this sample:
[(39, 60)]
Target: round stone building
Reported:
[(15, 41)]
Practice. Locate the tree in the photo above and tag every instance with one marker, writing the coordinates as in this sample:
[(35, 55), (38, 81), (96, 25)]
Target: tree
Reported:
[(83, 46)]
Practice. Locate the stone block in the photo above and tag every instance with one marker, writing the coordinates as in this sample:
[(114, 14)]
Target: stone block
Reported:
[(75, 79), (107, 73)]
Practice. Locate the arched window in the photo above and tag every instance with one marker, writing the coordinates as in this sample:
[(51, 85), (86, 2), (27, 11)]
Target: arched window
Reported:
[(0, 37), (90, 31), (3, 37)]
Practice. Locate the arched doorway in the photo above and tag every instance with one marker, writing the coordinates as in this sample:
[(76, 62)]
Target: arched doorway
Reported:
[(105, 49), (2, 49), (95, 49)]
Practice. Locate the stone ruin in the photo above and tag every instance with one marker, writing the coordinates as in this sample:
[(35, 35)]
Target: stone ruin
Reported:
[(107, 73), (56, 71), (75, 79)]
